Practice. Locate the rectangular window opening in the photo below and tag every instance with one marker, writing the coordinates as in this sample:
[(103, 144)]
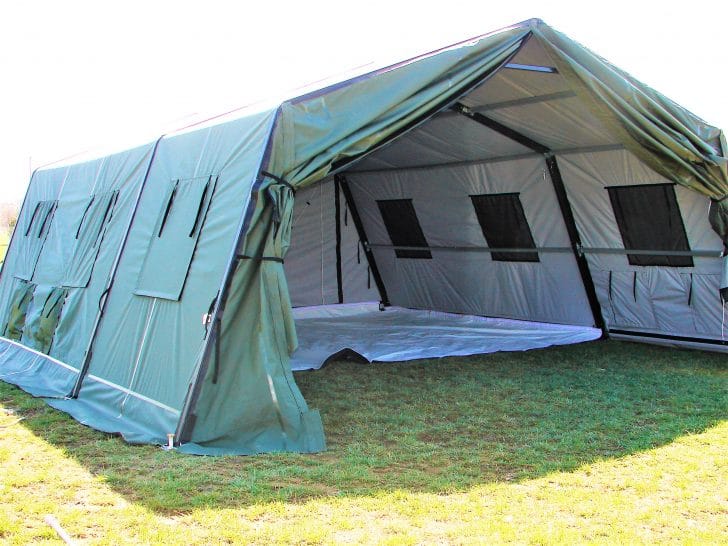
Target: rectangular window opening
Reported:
[(21, 299), (404, 228), (504, 225), (649, 218)]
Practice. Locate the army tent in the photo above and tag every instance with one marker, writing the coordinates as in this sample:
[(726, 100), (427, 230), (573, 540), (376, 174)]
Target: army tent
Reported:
[(511, 191)]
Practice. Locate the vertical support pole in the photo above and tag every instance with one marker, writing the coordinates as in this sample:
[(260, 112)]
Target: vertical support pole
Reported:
[(363, 238), (575, 240), (337, 207)]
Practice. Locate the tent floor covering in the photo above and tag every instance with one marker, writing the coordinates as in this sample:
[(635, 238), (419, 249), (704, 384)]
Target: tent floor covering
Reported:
[(398, 334)]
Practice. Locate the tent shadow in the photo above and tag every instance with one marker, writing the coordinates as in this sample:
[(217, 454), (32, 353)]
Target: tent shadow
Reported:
[(429, 426)]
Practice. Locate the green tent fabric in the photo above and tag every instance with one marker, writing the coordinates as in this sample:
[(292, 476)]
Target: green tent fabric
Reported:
[(314, 134), (201, 221), (310, 136), (149, 340), (81, 239), (257, 405), (89, 237), (671, 140)]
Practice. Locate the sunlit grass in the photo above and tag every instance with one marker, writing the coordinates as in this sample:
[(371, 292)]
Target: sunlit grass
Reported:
[(4, 241), (603, 442)]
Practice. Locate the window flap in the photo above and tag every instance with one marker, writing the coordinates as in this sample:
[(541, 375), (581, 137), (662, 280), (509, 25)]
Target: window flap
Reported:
[(34, 234), (43, 317), (88, 237), (175, 236), (18, 308)]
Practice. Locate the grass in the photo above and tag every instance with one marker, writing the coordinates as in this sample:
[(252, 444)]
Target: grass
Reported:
[(4, 242), (595, 443)]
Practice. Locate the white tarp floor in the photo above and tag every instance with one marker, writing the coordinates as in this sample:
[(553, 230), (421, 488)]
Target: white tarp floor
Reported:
[(397, 334)]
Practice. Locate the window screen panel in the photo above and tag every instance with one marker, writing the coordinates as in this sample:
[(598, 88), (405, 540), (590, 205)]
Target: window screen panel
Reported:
[(404, 228), (649, 218), (504, 225), (41, 327), (174, 238), (22, 297)]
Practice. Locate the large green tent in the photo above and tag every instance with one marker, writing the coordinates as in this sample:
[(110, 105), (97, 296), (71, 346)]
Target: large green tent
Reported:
[(516, 176)]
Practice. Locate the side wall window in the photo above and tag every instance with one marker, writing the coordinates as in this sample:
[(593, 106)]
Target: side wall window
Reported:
[(649, 218), (175, 238), (504, 225), (404, 228), (22, 297), (42, 319)]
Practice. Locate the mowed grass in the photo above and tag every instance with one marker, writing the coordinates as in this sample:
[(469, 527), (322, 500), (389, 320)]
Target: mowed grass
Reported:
[(4, 242), (604, 442)]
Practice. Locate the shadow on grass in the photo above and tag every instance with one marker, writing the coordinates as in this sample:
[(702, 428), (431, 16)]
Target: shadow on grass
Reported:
[(428, 426)]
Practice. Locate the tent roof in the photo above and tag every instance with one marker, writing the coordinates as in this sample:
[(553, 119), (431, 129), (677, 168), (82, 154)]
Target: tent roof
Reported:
[(514, 86)]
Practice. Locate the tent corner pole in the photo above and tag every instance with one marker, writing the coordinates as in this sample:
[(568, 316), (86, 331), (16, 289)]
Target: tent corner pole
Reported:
[(575, 240), (187, 418)]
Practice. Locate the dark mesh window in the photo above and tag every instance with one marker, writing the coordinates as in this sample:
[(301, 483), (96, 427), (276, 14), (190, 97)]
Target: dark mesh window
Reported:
[(403, 228), (649, 218), (504, 225)]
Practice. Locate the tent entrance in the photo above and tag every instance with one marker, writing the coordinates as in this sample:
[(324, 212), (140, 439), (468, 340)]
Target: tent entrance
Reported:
[(455, 221), (449, 296), (504, 205)]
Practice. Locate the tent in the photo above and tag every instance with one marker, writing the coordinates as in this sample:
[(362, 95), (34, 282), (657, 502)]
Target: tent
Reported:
[(508, 192)]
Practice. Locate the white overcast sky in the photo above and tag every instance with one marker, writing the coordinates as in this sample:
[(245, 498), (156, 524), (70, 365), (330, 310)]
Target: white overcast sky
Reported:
[(78, 75)]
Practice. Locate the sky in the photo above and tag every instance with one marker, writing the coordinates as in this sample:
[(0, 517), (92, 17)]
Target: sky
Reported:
[(79, 76)]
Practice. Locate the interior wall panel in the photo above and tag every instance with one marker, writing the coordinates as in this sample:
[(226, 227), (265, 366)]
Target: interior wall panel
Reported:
[(310, 263), (470, 281), (679, 301)]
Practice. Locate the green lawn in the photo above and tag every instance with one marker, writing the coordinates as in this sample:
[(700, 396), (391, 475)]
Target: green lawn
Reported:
[(604, 442), (4, 241)]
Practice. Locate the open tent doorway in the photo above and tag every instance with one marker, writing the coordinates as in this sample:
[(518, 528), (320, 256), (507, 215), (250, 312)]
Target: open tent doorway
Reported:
[(344, 298), (511, 220)]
